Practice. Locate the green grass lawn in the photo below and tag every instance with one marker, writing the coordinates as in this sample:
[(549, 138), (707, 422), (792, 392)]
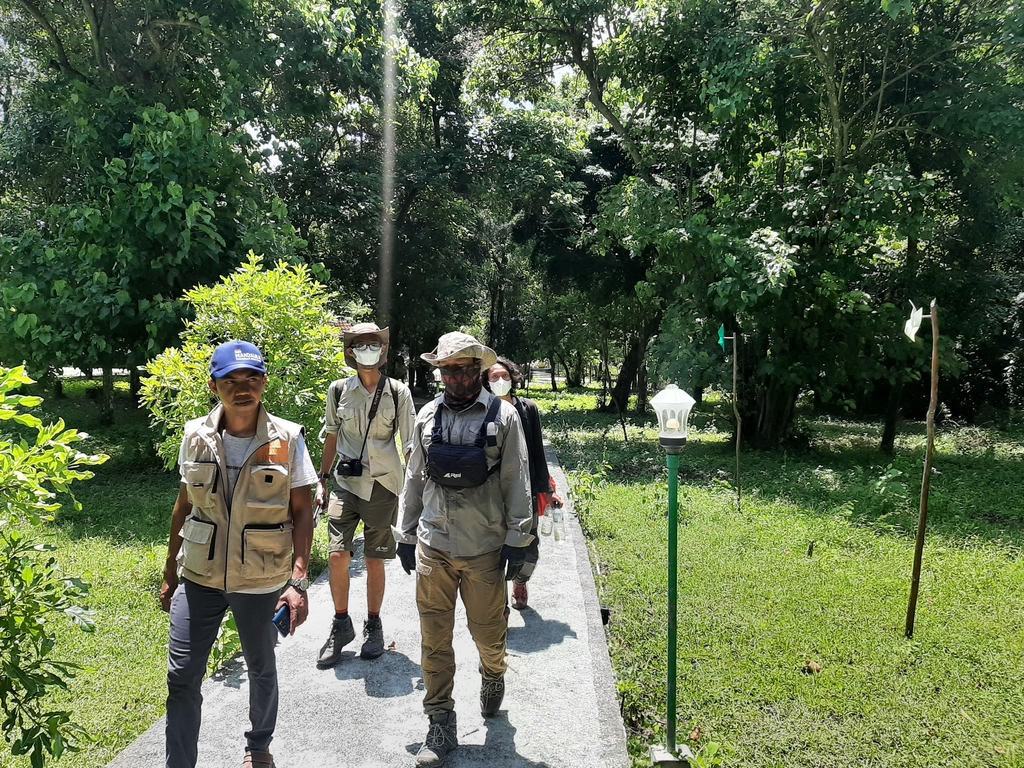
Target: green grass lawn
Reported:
[(756, 604), (755, 608)]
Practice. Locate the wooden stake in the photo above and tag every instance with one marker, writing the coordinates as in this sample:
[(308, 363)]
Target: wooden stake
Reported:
[(922, 521)]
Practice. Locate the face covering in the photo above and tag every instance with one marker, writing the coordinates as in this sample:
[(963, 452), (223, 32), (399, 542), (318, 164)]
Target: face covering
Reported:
[(462, 387), (501, 387), (367, 357)]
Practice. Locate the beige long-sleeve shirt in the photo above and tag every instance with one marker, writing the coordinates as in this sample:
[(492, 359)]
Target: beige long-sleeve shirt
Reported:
[(468, 521)]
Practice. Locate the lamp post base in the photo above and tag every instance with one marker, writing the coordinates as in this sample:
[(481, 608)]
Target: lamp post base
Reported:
[(662, 758)]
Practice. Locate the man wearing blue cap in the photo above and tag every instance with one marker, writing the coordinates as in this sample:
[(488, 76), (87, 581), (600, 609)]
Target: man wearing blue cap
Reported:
[(241, 532)]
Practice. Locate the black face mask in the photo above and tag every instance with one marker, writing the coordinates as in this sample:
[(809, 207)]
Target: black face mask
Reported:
[(462, 386)]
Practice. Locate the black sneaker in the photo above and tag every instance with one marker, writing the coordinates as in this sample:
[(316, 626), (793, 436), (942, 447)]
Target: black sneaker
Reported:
[(491, 694), (342, 633), (441, 739), (373, 638)]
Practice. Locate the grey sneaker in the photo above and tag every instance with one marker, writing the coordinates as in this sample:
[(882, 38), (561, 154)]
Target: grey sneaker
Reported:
[(491, 694), (373, 636), (441, 739), (342, 633)]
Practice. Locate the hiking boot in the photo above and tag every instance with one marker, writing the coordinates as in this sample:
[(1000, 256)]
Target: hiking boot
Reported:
[(520, 595), (441, 739), (258, 760), (373, 638), (491, 694), (342, 633)]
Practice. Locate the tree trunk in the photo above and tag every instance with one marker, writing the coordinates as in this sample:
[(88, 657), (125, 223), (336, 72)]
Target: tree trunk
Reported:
[(554, 383), (641, 391), (136, 381), (627, 376), (107, 397), (606, 376), (775, 415), (892, 414)]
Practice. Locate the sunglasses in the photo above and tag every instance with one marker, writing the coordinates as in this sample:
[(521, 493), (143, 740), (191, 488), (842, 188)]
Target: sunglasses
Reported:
[(456, 370), (374, 346)]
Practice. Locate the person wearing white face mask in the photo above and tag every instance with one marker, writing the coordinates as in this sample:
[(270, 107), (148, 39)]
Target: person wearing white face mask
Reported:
[(364, 413), (501, 379)]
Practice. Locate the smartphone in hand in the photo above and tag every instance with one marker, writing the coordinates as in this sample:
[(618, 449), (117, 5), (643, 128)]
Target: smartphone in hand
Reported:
[(283, 620)]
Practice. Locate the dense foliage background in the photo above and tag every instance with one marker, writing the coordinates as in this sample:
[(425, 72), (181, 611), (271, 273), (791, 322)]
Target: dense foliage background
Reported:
[(593, 183)]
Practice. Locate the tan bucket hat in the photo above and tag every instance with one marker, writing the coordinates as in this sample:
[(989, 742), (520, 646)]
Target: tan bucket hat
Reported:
[(366, 329), (455, 344)]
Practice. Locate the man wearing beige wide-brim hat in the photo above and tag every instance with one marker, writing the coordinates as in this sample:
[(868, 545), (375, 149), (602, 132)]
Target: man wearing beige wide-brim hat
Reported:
[(463, 524), (362, 465)]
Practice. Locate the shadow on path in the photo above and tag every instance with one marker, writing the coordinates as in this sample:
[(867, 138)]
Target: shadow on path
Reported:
[(498, 749), (537, 633), (393, 675)]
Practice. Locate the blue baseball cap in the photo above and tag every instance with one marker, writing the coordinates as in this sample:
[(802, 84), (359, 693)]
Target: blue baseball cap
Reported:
[(233, 355)]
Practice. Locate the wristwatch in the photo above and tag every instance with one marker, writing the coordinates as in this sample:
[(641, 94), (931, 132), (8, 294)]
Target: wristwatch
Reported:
[(300, 584)]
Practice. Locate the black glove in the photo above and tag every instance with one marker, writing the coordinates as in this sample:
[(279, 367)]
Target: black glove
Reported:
[(515, 557), (407, 554)]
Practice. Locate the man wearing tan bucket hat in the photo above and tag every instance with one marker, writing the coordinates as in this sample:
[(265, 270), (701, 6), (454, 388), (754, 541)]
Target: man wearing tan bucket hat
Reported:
[(364, 412), (464, 522)]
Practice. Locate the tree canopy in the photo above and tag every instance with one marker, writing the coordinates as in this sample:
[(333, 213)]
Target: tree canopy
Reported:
[(598, 184)]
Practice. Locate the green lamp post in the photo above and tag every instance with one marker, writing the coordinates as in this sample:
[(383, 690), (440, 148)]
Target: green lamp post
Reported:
[(673, 406)]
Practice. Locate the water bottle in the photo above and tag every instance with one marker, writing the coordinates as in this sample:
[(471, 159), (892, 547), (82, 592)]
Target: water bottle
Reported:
[(558, 522), (545, 525)]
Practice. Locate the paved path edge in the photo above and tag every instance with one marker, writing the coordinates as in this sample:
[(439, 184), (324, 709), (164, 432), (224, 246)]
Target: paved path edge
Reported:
[(614, 739)]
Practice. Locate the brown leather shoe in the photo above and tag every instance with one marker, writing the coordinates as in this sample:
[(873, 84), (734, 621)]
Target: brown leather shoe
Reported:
[(258, 760)]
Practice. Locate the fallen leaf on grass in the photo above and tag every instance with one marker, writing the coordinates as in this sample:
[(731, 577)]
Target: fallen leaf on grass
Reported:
[(811, 667), (968, 718), (696, 733), (1000, 751)]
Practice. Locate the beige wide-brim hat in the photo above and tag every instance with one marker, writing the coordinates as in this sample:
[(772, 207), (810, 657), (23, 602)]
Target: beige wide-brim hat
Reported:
[(455, 344), (366, 329)]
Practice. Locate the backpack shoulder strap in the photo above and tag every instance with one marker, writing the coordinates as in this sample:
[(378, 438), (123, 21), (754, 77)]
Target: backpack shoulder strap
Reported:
[(394, 399), (436, 436), (485, 435)]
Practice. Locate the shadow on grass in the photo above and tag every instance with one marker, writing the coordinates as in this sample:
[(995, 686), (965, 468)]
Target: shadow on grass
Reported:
[(839, 469), (123, 508)]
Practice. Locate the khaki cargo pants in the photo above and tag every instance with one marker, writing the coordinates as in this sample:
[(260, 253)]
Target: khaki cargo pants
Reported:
[(481, 582)]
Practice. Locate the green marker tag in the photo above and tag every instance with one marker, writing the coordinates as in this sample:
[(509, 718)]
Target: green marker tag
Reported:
[(721, 336)]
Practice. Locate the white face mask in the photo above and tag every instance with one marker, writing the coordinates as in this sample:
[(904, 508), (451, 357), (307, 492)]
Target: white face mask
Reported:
[(501, 387), (367, 357)]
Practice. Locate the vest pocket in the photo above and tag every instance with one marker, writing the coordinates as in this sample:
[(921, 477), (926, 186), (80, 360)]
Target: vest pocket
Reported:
[(269, 486), (201, 481), (198, 545), (266, 551)]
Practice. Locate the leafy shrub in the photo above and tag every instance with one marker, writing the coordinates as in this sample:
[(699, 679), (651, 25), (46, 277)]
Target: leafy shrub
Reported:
[(33, 590), (284, 312)]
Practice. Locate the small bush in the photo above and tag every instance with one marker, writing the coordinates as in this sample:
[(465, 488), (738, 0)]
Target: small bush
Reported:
[(33, 591), (283, 311)]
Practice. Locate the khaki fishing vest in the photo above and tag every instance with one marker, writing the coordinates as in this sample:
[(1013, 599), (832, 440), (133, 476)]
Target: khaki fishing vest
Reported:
[(248, 546)]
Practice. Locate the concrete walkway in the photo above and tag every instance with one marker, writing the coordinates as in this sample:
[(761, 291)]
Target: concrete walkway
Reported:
[(560, 708)]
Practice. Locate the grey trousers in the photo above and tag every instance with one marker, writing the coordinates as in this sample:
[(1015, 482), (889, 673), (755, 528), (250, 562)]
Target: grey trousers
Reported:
[(196, 614)]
